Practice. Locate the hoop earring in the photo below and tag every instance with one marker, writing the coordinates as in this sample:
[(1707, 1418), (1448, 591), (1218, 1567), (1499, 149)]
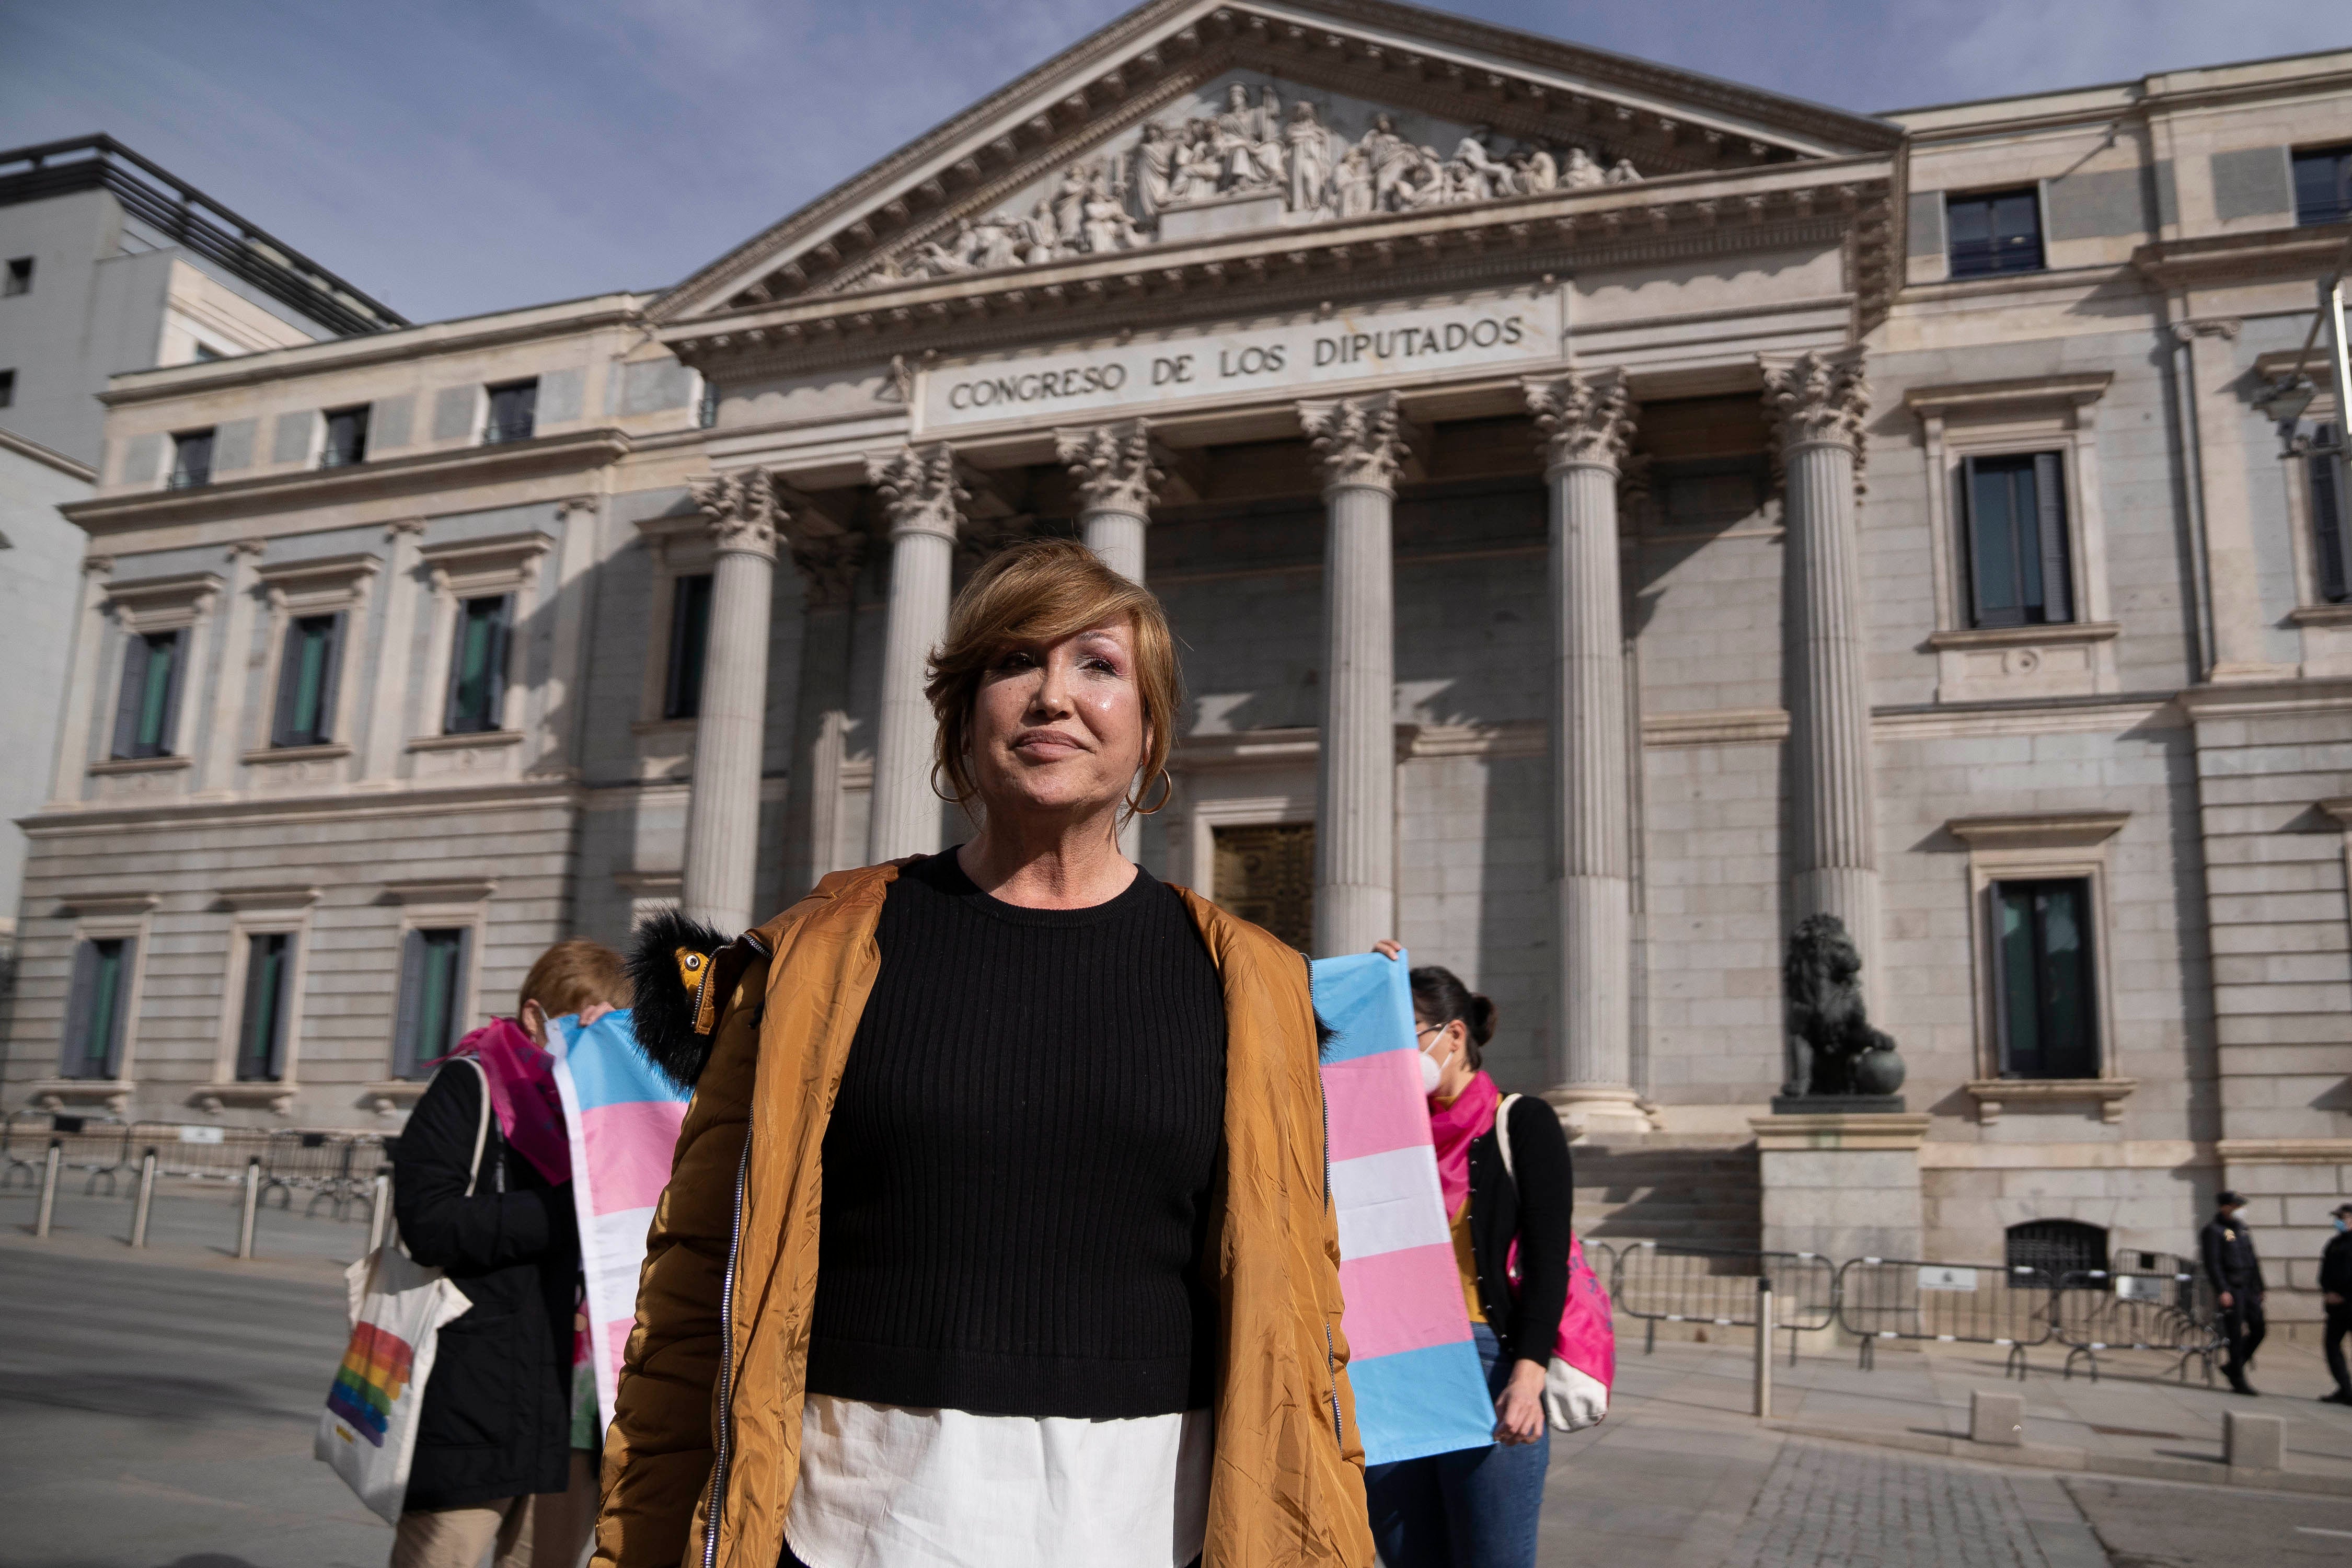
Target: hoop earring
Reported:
[(1135, 806)]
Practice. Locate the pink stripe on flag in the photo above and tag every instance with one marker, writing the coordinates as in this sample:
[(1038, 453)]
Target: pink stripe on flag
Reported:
[(1405, 1301), (629, 1150), (1376, 1104)]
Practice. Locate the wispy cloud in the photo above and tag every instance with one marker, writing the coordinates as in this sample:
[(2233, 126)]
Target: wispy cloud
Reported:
[(454, 157)]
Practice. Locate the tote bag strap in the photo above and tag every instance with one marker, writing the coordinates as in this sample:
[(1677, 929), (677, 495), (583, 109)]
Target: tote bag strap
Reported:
[(1503, 1132), (482, 1128)]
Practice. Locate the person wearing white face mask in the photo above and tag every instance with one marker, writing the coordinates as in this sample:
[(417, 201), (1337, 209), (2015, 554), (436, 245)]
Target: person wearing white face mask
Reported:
[(2335, 1292), (1479, 1508)]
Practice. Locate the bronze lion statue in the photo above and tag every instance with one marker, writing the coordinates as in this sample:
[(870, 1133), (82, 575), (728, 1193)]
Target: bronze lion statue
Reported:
[(1832, 1048)]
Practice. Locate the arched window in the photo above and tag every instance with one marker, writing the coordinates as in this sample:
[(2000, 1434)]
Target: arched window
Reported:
[(2057, 1246)]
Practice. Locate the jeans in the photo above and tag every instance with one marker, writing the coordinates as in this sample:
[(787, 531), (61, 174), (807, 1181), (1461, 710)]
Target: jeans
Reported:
[(1475, 1508)]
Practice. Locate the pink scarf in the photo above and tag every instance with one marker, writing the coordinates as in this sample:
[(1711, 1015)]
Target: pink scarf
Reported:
[(522, 1092), (1454, 1126)]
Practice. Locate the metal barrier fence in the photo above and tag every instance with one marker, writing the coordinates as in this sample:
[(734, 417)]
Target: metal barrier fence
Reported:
[(335, 1169), (1659, 1282), (1946, 1303), (96, 1146), (2148, 1309)]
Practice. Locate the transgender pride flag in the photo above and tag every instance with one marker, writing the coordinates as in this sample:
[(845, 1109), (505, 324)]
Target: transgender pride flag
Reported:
[(1419, 1389), (622, 1116)]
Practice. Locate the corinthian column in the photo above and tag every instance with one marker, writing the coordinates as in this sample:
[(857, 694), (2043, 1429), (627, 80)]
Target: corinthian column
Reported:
[(920, 490), (1362, 442), (1114, 474), (722, 816), (1817, 403), (1587, 420)]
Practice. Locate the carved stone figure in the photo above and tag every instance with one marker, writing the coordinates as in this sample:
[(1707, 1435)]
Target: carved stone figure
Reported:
[(1391, 158), (1621, 172), (1069, 209), (1538, 171), (1832, 1048), (1351, 184), (994, 242), (1155, 169), (1107, 226), (1581, 170), (1249, 152), (1310, 148)]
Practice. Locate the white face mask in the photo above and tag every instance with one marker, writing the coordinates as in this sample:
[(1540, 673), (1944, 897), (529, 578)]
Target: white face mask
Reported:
[(1431, 1073)]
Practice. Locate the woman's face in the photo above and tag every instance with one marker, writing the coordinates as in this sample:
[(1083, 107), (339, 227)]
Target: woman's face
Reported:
[(1058, 728)]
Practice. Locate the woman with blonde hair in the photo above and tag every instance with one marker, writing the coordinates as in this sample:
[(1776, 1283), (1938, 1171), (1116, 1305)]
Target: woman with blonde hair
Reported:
[(1000, 1229)]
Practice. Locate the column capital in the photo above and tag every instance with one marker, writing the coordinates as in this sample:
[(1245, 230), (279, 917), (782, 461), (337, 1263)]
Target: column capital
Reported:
[(1113, 466), (1586, 417), (1816, 396), (744, 515), (921, 489), (1362, 442)]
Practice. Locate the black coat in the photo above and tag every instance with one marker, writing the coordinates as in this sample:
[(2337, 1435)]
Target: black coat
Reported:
[(1536, 1209), (497, 1421), (2228, 1249), (2335, 1265)]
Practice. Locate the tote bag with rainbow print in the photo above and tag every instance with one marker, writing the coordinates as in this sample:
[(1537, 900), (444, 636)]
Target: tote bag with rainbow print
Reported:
[(367, 1433)]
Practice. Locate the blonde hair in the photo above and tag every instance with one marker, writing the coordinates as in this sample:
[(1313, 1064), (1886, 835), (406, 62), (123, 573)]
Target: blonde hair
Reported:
[(573, 974), (1042, 591)]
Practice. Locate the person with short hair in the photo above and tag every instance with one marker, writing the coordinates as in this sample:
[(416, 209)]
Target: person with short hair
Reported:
[(1479, 1508), (503, 1460), (1000, 1229), (2228, 1250), (2335, 1300)]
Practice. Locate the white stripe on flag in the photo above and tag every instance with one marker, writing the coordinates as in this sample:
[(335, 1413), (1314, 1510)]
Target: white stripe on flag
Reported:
[(1387, 1202)]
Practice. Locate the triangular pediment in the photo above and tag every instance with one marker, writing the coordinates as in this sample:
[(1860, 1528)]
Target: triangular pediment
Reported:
[(1186, 119)]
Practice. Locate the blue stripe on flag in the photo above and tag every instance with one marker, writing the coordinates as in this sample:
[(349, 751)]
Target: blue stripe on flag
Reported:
[(609, 1067), (1411, 1405), (1368, 1000)]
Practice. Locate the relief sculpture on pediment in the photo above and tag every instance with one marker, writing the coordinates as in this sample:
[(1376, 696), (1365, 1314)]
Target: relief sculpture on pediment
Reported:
[(1237, 156)]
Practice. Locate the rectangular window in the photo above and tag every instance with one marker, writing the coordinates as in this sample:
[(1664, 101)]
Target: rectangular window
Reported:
[(95, 1008), (147, 709), (206, 354), (514, 413), (20, 276), (689, 637), (2000, 231), (2323, 184), (2328, 544), (261, 1031), (2049, 1026), (192, 459), (306, 673), (706, 409), (2019, 574), (478, 667), (347, 434), (7, 389), (431, 1014)]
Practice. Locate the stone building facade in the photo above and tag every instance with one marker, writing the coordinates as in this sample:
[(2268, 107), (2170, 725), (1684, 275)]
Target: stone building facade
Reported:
[(1608, 514)]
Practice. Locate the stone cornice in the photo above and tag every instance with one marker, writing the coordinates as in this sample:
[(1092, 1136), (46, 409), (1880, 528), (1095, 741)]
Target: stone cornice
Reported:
[(178, 814), (422, 473), (1851, 202), (2257, 257), (1384, 51), (1971, 397), (2038, 829), (11, 442)]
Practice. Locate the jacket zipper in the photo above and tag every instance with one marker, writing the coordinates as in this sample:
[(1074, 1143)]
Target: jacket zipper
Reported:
[(1331, 1353), (727, 1360)]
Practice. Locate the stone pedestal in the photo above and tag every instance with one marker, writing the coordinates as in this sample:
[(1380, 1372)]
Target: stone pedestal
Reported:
[(1841, 1184)]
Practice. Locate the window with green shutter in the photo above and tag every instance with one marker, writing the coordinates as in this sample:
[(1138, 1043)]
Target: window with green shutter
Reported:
[(2020, 573), (308, 672), (2048, 1011), (96, 1003), (147, 707), (432, 1010), (261, 1026), (478, 667)]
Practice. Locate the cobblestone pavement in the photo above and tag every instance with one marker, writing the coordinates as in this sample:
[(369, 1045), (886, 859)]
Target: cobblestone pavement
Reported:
[(1841, 1505)]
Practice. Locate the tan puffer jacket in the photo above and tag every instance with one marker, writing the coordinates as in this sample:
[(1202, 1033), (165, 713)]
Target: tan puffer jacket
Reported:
[(704, 1450)]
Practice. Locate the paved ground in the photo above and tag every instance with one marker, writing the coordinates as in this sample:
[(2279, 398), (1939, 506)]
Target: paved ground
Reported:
[(157, 1411)]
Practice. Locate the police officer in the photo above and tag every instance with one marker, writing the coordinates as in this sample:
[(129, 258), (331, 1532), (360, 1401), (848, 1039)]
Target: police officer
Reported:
[(2336, 1291), (2237, 1276)]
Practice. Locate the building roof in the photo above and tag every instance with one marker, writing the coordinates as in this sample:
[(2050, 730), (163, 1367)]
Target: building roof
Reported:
[(187, 217)]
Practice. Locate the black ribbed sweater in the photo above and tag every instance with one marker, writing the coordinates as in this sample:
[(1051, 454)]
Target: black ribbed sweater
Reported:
[(1017, 1167)]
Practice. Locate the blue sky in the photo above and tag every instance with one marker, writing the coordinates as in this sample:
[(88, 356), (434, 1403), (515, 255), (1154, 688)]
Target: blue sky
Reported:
[(455, 157)]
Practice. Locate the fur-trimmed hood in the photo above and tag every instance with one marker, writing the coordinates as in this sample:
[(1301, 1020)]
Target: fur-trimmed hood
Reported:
[(679, 971)]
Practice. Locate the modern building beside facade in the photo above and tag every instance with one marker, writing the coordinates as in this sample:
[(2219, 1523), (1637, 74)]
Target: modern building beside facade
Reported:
[(108, 264), (1609, 515)]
